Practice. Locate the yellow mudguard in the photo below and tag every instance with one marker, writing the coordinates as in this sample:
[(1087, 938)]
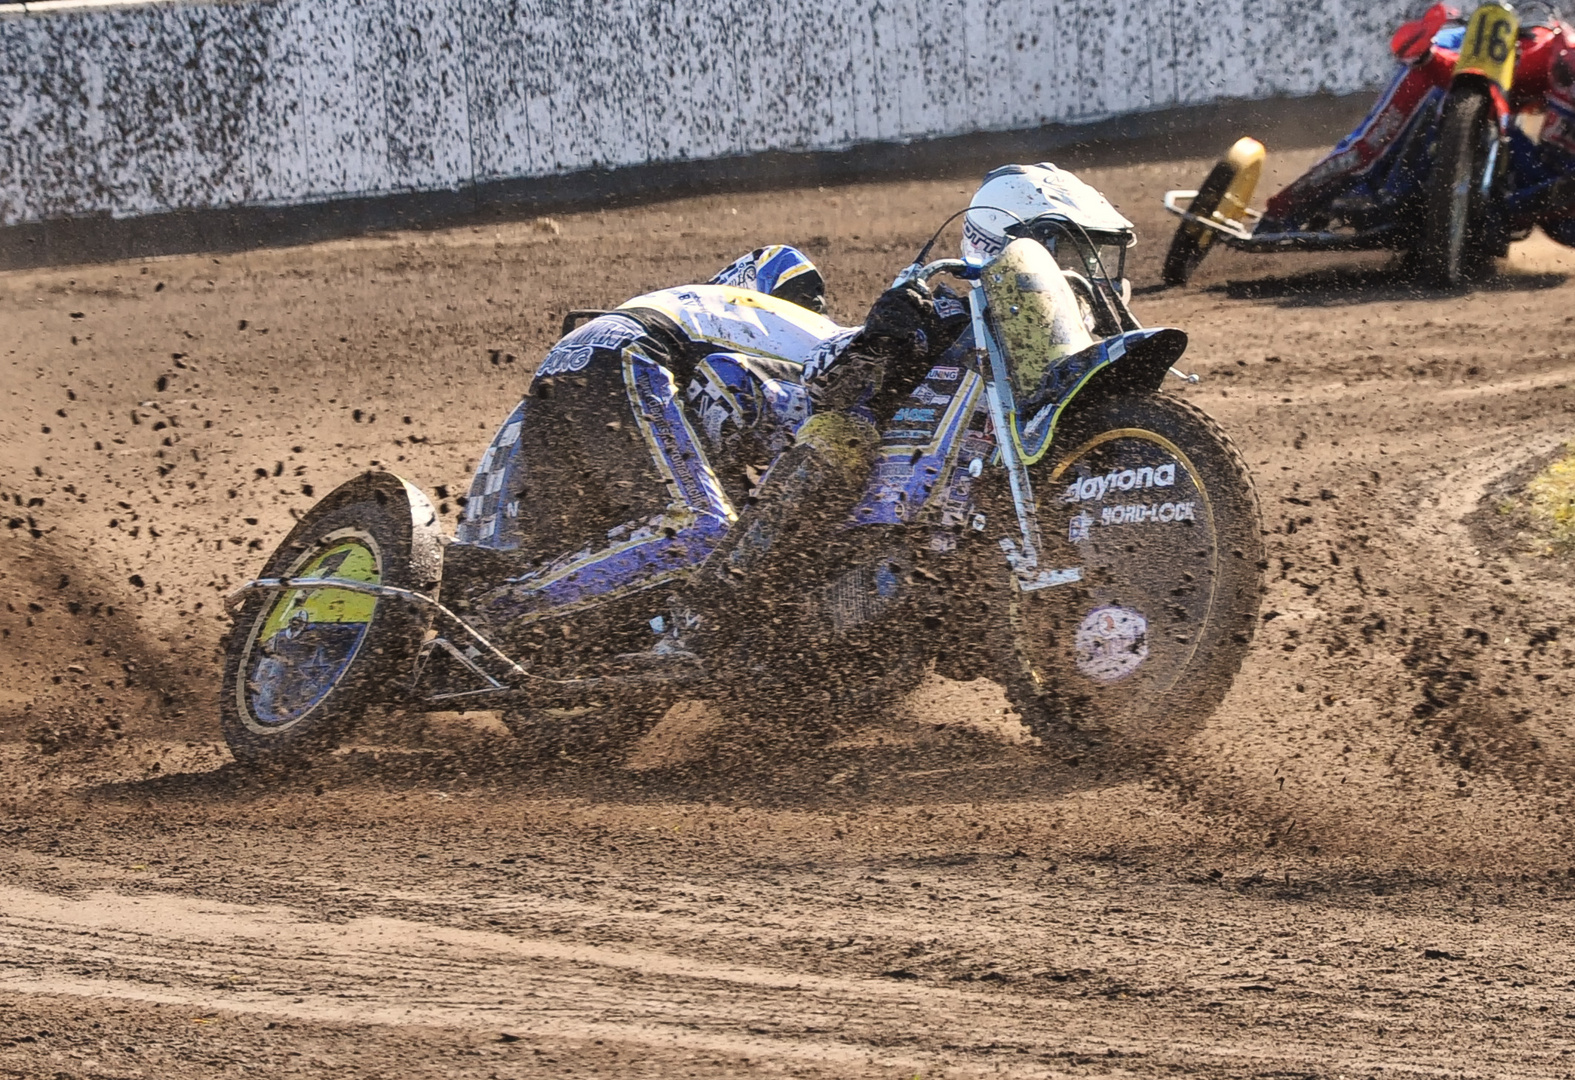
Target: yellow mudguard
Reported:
[(1246, 158)]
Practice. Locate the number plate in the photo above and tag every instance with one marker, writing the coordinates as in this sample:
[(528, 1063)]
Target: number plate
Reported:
[(1489, 45)]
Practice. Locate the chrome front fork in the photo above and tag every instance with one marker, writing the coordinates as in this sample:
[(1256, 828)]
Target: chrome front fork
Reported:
[(1023, 558)]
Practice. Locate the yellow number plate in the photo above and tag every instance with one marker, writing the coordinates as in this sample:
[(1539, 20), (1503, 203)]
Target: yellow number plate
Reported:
[(1489, 45)]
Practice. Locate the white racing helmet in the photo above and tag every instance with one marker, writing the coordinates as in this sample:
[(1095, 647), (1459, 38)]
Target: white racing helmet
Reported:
[(1015, 196)]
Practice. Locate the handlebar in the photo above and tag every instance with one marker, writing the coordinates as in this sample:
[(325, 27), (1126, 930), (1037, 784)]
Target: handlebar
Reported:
[(923, 273)]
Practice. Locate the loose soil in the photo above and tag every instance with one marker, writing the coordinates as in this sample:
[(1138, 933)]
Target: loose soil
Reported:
[(1360, 865)]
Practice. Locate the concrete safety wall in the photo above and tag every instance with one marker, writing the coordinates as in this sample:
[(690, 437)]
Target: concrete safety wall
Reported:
[(132, 109)]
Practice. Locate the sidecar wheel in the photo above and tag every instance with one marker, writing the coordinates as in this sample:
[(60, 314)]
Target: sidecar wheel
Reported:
[(302, 665), (1153, 506), (1454, 246), (1192, 241)]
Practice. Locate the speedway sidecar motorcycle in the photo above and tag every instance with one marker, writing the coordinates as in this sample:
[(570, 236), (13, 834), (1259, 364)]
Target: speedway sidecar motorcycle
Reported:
[(1440, 169), (1038, 513)]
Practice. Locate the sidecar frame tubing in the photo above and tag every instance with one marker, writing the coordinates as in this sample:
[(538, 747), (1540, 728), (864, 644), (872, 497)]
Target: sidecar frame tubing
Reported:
[(497, 689), (1240, 237), (515, 683)]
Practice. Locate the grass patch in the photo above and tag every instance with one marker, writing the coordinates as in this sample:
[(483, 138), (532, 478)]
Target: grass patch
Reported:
[(1545, 507)]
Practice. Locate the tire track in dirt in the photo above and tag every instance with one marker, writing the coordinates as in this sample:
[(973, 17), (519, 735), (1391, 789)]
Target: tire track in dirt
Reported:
[(390, 971), (1323, 972)]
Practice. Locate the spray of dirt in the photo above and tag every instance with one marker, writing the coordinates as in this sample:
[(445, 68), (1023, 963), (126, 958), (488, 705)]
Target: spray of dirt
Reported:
[(1393, 763)]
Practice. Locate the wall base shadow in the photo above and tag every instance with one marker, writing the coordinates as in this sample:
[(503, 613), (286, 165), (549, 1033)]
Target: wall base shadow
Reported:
[(1157, 135)]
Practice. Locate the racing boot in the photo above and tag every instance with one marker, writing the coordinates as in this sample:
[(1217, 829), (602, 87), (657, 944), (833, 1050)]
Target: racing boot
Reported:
[(791, 519)]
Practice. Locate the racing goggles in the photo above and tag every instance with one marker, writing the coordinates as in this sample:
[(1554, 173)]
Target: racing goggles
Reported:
[(1094, 254)]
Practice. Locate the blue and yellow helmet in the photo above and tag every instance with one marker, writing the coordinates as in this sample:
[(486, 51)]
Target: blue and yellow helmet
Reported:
[(782, 271)]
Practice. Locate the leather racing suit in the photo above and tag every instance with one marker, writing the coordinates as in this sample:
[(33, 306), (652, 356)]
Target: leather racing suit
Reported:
[(645, 431)]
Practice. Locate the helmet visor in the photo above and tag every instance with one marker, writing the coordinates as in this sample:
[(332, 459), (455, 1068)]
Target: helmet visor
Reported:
[(1096, 255)]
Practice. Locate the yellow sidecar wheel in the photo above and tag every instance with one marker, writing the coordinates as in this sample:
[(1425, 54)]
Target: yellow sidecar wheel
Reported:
[(301, 665), (1192, 241)]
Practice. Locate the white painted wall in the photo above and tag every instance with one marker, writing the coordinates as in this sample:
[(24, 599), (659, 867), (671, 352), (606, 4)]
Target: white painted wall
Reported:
[(148, 107)]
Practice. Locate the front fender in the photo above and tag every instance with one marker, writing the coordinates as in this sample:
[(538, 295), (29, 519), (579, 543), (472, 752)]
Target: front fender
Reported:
[(1133, 362), (426, 531)]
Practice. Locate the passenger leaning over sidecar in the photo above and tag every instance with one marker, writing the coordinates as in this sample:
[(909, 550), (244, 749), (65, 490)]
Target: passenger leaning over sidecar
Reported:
[(608, 464)]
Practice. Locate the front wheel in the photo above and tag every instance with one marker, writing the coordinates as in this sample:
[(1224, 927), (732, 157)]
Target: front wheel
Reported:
[(1152, 506), (301, 665), (1455, 247)]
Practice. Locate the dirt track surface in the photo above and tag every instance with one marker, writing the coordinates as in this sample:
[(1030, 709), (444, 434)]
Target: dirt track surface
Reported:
[(1360, 866)]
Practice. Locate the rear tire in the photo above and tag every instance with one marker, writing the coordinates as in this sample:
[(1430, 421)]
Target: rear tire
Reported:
[(1455, 248), (301, 666), (1164, 527), (1192, 241)]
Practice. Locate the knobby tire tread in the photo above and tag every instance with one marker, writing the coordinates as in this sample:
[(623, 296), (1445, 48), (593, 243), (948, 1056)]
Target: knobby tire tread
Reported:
[(1047, 714), (1440, 267)]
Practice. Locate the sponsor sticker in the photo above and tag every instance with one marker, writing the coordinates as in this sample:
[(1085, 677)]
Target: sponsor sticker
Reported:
[(1333, 166), (740, 274), (988, 244), (949, 307), (944, 374), (1077, 528), (1145, 513), (915, 416), (1385, 125), (574, 351), (925, 396), (1110, 643), (1096, 487), (1559, 125), (974, 445)]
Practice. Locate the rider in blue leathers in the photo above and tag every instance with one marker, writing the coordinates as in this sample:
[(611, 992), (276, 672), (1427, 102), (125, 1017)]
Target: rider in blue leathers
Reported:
[(605, 477)]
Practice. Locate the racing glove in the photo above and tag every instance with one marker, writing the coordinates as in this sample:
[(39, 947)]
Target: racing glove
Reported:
[(902, 320), (906, 330)]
